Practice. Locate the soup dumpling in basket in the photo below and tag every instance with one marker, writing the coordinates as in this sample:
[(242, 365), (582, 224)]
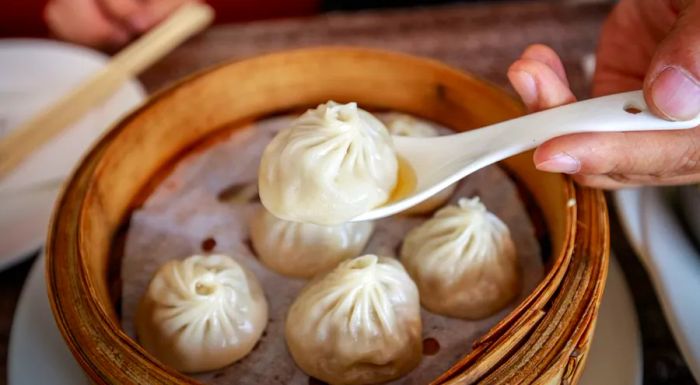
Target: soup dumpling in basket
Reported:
[(303, 250), (201, 313), (463, 260), (358, 324)]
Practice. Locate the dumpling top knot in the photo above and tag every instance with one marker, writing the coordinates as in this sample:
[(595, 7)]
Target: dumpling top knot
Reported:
[(470, 218), (203, 285), (333, 163), (336, 118), (201, 313), (340, 112), (472, 204)]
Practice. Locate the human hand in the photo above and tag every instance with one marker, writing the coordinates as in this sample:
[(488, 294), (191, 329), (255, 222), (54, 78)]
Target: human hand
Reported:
[(105, 23), (649, 44)]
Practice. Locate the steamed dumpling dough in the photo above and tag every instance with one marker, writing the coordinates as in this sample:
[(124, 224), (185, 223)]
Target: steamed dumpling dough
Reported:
[(359, 324), (463, 261), (332, 164), (406, 125), (201, 313), (304, 249)]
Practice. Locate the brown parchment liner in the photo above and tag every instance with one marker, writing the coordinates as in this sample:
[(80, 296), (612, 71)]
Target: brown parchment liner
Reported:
[(186, 208)]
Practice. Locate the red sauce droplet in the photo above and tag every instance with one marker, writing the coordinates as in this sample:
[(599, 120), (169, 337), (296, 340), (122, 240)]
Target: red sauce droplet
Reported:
[(430, 346), (208, 244)]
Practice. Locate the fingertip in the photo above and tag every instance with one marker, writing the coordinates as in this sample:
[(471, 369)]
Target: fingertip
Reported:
[(550, 90), (672, 81), (86, 25), (542, 152), (561, 162), (568, 154), (574, 154), (674, 94), (524, 84), (540, 52), (547, 56), (519, 65)]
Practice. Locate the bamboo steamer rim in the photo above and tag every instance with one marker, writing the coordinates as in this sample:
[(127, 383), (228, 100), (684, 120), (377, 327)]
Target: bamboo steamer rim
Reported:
[(544, 339)]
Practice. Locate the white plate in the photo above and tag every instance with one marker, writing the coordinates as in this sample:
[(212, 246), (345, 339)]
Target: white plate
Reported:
[(615, 356), (616, 350), (33, 74), (689, 197), (37, 353), (671, 260)]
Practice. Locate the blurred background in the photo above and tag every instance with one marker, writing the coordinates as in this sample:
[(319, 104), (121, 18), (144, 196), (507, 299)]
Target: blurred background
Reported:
[(24, 18)]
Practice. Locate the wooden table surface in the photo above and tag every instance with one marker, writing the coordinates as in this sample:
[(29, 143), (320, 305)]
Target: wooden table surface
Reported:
[(481, 38)]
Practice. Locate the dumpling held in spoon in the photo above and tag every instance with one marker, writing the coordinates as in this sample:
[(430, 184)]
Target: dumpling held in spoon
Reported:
[(332, 164)]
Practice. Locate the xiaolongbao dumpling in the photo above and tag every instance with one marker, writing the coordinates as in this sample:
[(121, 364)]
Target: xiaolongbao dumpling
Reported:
[(359, 324), (463, 261), (201, 313), (304, 249), (406, 125), (332, 164)]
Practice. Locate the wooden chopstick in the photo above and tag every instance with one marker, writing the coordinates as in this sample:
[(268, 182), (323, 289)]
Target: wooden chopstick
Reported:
[(21, 142)]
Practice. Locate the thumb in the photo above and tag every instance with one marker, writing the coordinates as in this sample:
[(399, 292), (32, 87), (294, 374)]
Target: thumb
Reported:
[(672, 83)]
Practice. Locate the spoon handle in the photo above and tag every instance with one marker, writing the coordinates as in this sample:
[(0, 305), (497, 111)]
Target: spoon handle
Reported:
[(441, 161), (613, 113)]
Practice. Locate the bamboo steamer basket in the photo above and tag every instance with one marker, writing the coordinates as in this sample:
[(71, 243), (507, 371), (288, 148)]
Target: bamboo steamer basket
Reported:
[(545, 340)]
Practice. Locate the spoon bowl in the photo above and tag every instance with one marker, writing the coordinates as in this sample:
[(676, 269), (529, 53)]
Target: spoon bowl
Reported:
[(441, 161)]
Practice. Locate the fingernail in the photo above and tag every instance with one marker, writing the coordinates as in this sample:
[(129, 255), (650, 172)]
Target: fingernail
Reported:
[(561, 162), (676, 94), (526, 87)]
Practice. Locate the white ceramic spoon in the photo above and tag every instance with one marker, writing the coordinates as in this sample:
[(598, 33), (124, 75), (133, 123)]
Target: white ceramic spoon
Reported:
[(441, 161)]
